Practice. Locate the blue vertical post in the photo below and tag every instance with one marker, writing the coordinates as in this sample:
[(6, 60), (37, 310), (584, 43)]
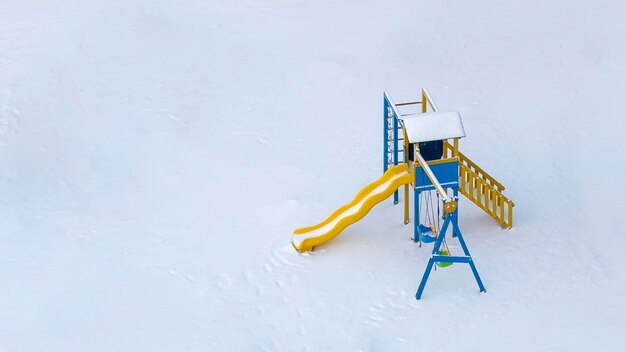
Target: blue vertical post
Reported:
[(385, 134), (455, 215), (416, 222), (431, 261), (395, 150)]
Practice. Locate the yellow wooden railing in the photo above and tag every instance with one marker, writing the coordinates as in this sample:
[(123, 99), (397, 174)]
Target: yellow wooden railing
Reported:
[(448, 152), (482, 189), (489, 199)]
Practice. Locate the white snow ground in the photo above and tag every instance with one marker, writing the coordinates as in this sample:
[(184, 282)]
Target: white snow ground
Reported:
[(155, 157)]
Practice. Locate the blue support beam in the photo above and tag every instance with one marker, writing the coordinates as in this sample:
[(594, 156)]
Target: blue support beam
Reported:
[(451, 259), (471, 263), (416, 222), (395, 150), (455, 215), (435, 258), (385, 134)]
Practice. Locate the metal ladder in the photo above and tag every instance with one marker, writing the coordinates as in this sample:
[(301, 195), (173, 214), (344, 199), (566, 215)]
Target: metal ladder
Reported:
[(393, 127), (394, 152), (393, 124)]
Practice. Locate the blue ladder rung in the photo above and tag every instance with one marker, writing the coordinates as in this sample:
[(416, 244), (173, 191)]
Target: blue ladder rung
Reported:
[(451, 259)]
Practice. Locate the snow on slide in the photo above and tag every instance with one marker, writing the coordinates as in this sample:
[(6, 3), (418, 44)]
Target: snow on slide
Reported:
[(304, 239)]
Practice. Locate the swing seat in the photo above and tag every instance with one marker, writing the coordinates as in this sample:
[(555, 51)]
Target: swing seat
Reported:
[(443, 264), (426, 234)]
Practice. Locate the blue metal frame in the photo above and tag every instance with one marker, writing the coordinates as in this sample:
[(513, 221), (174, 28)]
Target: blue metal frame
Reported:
[(385, 134), (435, 258), (395, 150), (417, 234), (448, 176), (455, 215), (416, 216), (387, 105)]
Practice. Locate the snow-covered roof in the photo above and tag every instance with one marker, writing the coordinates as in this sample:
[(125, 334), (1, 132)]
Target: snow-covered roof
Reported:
[(434, 126)]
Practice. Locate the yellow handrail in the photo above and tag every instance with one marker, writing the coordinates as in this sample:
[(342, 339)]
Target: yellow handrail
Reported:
[(426, 99), (449, 151), (485, 196)]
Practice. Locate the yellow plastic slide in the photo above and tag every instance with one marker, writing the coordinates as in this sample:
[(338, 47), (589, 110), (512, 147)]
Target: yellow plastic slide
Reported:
[(306, 238)]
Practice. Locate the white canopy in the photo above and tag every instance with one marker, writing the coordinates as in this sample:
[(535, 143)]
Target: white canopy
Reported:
[(434, 126)]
